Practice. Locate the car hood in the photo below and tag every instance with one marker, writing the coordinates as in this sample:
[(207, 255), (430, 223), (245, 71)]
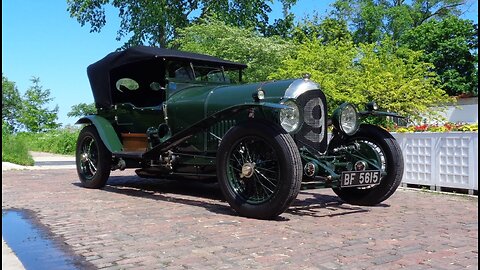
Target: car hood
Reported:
[(196, 102), (226, 96)]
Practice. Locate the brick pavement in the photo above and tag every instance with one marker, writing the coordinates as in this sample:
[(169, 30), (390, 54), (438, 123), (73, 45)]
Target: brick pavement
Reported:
[(155, 224)]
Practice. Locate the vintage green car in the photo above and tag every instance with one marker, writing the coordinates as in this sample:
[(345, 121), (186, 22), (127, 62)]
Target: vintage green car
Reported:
[(174, 114)]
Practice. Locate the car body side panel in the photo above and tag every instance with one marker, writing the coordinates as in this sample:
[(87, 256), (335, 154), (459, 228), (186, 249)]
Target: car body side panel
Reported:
[(188, 106), (105, 130), (185, 107), (131, 119), (204, 124)]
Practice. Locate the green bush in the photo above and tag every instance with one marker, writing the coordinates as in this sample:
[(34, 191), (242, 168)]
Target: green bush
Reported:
[(61, 141), (14, 149), (393, 77)]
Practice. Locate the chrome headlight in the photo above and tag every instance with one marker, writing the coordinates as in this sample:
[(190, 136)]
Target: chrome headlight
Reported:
[(290, 118), (345, 118)]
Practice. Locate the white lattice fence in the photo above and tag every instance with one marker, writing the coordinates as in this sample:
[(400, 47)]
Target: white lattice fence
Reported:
[(439, 160)]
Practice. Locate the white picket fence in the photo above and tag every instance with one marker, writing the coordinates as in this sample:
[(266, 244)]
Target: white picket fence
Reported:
[(440, 160)]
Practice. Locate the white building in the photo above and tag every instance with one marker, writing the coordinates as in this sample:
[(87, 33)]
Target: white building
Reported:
[(464, 111)]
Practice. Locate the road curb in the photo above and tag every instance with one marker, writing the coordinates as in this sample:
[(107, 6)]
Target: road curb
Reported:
[(9, 259)]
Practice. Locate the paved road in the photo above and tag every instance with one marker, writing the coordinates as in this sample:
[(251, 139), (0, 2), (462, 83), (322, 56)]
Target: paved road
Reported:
[(44, 161), (152, 224)]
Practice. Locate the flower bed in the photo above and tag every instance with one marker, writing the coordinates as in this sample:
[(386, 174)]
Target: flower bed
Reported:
[(447, 127)]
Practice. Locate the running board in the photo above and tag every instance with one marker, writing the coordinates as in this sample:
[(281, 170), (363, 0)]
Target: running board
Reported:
[(128, 155)]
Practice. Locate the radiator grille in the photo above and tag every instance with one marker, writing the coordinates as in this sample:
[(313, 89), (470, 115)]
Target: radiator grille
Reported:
[(313, 131)]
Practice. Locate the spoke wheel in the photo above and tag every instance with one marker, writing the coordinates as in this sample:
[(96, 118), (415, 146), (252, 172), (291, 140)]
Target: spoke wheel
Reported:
[(92, 158), (253, 170), (88, 157), (380, 149), (259, 169)]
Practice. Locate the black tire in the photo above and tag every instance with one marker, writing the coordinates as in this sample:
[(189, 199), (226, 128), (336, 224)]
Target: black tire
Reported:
[(276, 173), (393, 166), (93, 159)]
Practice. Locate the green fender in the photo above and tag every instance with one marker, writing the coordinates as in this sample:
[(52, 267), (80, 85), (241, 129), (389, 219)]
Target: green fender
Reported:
[(105, 130)]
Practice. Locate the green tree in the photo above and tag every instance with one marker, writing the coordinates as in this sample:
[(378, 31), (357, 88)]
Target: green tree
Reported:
[(152, 22), (239, 13), (330, 65), (11, 105), (283, 27), (34, 115), (451, 45), (82, 109), (328, 30), (156, 22), (394, 78), (263, 55), (372, 20)]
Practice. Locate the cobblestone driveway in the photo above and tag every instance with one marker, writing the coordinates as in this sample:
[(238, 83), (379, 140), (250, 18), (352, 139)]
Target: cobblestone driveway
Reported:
[(153, 224)]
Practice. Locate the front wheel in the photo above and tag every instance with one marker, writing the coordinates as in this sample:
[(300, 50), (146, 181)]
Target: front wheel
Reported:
[(92, 158), (259, 169), (381, 147)]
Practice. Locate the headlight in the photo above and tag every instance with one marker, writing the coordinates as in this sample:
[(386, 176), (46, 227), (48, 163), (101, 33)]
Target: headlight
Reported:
[(290, 118), (345, 118)]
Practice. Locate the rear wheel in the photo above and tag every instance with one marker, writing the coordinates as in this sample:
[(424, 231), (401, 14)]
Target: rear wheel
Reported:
[(92, 158), (380, 147), (259, 169)]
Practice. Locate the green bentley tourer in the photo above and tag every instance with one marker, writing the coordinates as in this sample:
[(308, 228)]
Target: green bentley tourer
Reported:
[(181, 115)]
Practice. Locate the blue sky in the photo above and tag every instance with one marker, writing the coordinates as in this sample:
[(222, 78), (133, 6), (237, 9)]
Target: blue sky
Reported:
[(40, 39)]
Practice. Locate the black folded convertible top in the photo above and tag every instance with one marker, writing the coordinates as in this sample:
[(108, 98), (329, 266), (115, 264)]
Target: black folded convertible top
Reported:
[(99, 72)]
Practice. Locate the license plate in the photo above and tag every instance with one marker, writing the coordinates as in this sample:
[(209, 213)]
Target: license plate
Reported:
[(360, 178)]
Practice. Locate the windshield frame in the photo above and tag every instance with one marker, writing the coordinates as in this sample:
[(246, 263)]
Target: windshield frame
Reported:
[(189, 73)]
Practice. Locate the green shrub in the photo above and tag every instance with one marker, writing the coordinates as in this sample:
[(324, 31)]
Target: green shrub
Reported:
[(15, 150), (61, 141)]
